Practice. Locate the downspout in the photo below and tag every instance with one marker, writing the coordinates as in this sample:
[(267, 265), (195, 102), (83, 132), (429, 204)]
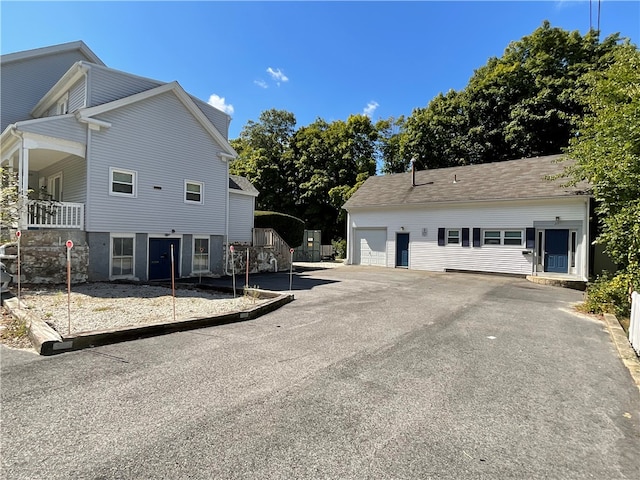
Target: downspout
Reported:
[(226, 219)]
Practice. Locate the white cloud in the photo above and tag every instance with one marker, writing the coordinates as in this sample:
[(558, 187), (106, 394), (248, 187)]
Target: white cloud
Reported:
[(220, 103), (261, 83), (370, 108), (277, 75)]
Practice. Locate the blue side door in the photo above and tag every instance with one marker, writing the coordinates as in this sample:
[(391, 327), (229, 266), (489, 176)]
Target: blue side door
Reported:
[(402, 249), (556, 255), (160, 258)]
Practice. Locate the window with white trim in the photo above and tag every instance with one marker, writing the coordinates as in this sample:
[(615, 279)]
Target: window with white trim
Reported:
[(122, 257), (453, 236), (512, 237), (193, 192), (62, 107), (122, 182), (491, 237), (200, 255), (502, 237)]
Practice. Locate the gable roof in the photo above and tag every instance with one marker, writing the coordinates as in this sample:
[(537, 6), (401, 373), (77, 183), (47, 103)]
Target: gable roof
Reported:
[(184, 97), (53, 49), (509, 180), (242, 185)]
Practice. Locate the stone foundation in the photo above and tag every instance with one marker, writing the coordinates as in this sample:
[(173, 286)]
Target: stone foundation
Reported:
[(260, 260), (44, 257)]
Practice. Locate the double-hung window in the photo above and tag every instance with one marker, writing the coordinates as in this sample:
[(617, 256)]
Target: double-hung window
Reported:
[(122, 182), (62, 107), (513, 237), (122, 260), (193, 192), (491, 237), (200, 255), (453, 236), (502, 237)]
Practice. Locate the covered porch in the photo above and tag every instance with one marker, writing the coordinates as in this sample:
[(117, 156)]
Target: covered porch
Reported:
[(49, 178)]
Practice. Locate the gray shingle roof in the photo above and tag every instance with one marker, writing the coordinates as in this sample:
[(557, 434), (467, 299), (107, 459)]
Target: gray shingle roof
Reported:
[(510, 180), (236, 182)]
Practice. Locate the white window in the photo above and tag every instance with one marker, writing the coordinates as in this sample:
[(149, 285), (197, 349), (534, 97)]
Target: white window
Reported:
[(193, 192), (62, 107), (122, 182), (513, 237), (453, 236), (122, 257), (200, 255), (491, 237), (503, 237)]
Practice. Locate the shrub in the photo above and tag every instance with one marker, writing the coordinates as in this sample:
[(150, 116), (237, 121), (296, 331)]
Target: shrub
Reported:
[(290, 228), (340, 247), (609, 295)]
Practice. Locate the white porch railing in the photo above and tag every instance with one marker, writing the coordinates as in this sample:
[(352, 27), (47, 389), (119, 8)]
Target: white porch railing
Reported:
[(55, 215), (634, 326), (268, 237)]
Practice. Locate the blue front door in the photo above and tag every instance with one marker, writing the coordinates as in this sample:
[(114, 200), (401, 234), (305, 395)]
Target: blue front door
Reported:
[(402, 249), (556, 255), (160, 258)]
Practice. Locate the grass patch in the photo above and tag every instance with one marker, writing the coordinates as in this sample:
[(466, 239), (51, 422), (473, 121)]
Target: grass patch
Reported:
[(15, 332)]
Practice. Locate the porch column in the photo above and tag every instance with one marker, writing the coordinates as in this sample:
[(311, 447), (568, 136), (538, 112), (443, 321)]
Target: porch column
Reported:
[(23, 186)]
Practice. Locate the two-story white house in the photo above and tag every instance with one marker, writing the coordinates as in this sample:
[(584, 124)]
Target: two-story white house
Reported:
[(137, 164)]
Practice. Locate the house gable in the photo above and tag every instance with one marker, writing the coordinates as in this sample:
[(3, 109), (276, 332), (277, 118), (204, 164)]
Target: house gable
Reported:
[(158, 141), (27, 76), (226, 150)]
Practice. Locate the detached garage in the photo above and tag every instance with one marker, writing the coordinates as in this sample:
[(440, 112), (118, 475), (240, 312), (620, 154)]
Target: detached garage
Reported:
[(370, 247), (504, 217)]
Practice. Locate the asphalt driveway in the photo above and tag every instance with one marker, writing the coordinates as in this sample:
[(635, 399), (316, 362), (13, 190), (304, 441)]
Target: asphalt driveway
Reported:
[(369, 373)]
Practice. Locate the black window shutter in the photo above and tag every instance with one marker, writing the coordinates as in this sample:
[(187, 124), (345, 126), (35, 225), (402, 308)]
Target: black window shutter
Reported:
[(465, 237), (476, 237), (441, 237), (531, 238)]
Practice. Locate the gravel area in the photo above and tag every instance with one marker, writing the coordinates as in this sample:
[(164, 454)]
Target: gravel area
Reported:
[(103, 306)]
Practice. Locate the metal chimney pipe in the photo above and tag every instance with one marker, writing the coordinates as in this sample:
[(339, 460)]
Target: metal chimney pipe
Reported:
[(413, 172)]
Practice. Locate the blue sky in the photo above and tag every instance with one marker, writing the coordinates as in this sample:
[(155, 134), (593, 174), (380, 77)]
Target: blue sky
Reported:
[(314, 59)]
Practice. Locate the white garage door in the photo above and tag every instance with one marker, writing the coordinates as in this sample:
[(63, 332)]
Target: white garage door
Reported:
[(371, 247)]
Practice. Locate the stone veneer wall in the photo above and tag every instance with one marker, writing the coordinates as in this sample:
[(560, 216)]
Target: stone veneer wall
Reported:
[(259, 260), (44, 257)]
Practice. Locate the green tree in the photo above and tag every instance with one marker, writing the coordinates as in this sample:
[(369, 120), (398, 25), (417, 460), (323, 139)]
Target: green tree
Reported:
[(390, 155), (526, 103), (607, 155), (331, 159), (264, 157)]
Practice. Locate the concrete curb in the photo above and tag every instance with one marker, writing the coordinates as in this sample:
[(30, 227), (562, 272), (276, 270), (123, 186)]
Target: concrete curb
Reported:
[(47, 341), (626, 352)]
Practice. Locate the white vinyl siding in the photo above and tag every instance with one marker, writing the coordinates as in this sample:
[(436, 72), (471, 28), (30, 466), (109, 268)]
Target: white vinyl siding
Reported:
[(241, 209), (74, 174), (25, 82), (423, 224), (65, 127), (107, 85), (147, 137)]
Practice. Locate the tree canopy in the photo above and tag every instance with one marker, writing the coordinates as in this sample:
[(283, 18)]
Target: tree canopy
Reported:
[(528, 102), (523, 104), (606, 150)]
